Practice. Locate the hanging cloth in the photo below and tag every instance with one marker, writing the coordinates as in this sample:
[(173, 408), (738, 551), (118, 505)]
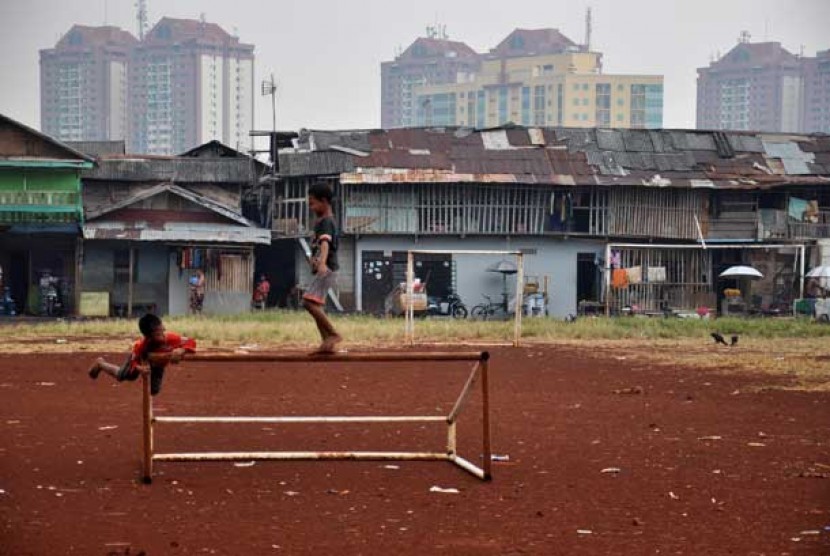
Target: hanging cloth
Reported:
[(619, 278), (635, 274), (656, 274)]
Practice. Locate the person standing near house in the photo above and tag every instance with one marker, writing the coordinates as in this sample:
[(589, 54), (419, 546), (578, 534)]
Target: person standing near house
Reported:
[(197, 292), (324, 264), (263, 289)]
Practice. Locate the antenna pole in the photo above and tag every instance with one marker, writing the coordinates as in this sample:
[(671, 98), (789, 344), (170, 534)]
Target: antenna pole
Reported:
[(588, 29)]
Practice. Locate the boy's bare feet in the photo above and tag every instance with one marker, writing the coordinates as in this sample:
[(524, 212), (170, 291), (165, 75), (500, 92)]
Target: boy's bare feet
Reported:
[(95, 369), (328, 345)]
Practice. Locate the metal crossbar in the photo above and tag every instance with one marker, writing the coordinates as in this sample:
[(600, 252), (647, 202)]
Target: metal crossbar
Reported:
[(479, 373)]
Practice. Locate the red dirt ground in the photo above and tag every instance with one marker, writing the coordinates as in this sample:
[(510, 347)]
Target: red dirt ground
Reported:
[(70, 481)]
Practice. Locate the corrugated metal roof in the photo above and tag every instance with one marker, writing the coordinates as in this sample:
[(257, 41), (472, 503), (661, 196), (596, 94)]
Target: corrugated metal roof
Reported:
[(177, 231), (515, 154), (173, 169), (99, 148)]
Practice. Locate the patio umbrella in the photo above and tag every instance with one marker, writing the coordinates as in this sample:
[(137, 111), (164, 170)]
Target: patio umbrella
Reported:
[(822, 271), (503, 267), (741, 271)]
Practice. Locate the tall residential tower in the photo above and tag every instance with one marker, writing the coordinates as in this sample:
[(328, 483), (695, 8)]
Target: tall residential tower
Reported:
[(185, 83), (191, 82), (83, 84), (534, 77), (764, 87)]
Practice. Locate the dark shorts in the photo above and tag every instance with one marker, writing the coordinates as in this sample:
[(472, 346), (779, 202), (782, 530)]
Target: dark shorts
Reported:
[(129, 373), (319, 287)]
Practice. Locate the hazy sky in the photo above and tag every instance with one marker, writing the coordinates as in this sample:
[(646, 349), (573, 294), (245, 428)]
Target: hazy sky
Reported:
[(326, 54)]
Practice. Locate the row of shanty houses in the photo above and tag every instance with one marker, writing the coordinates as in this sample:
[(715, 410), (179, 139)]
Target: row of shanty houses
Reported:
[(111, 234), (609, 219)]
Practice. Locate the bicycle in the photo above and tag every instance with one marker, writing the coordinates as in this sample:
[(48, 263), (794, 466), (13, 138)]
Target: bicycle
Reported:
[(489, 310)]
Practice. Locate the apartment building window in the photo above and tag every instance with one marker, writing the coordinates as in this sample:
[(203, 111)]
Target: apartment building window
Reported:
[(481, 111), (638, 106), (539, 105), (603, 106), (503, 93), (525, 105)]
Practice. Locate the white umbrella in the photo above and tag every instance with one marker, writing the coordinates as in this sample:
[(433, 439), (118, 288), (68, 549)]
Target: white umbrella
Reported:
[(822, 271), (741, 271)]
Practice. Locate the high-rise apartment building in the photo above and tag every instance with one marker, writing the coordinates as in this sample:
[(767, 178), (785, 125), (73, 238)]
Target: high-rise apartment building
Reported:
[(83, 94), (817, 93), (428, 61), (187, 82), (764, 87), (191, 82), (538, 77)]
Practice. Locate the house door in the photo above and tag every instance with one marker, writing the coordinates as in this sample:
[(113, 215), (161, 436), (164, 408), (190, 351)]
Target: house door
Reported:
[(586, 278), (377, 279)]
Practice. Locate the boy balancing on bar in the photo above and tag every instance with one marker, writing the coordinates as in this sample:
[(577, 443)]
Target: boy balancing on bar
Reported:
[(157, 349), (323, 264)]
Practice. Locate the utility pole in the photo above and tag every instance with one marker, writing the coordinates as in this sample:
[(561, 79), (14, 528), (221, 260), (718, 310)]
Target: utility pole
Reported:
[(270, 88)]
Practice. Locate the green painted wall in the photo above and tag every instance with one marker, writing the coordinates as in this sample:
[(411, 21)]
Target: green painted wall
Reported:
[(40, 195)]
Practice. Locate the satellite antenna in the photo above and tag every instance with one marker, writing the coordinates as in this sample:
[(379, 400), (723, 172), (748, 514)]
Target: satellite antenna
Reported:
[(744, 37)]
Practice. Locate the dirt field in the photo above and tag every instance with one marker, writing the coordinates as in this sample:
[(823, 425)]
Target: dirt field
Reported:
[(708, 463)]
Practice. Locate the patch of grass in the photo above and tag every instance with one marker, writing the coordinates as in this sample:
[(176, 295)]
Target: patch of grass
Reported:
[(793, 352)]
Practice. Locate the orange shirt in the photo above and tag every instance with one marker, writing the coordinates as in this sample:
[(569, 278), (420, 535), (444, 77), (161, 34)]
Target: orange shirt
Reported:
[(171, 341)]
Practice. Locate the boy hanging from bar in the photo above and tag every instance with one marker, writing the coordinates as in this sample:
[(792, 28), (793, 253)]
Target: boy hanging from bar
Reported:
[(324, 264), (157, 348)]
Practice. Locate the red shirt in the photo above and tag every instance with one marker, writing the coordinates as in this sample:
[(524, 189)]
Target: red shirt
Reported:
[(171, 341)]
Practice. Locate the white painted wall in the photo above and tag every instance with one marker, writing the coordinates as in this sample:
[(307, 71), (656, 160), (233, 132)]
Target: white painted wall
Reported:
[(117, 116), (792, 95), (211, 90), (554, 257), (239, 104)]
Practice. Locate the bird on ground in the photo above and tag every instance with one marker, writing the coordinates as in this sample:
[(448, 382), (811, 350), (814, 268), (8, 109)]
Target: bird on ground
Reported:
[(734, 340), (718, 338)]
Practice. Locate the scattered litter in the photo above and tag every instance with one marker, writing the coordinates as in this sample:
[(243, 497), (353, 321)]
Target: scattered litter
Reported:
[(12, 422), (291, 493), (717, 471), (636, 522), (60, 341), (795, 539), (762, 435), (810, 532), (632, 390), (80, 462), (444, 490), (499, 457), (736, 392), (58, 494), (673, 496), (710, 438), (620, 358), (2, 491), (244, 464), (108, 428), (45, 383), (391, 466), (584, 532), (614, 470), (337, 492), (249, 347), (756, 444)]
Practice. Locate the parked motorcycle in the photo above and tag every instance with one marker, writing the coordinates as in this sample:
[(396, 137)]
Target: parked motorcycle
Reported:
[(451, 306), (51, 296)]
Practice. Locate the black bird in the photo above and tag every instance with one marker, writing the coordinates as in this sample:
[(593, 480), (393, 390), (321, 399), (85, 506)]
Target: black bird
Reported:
[(718, 338), (734, 340)]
